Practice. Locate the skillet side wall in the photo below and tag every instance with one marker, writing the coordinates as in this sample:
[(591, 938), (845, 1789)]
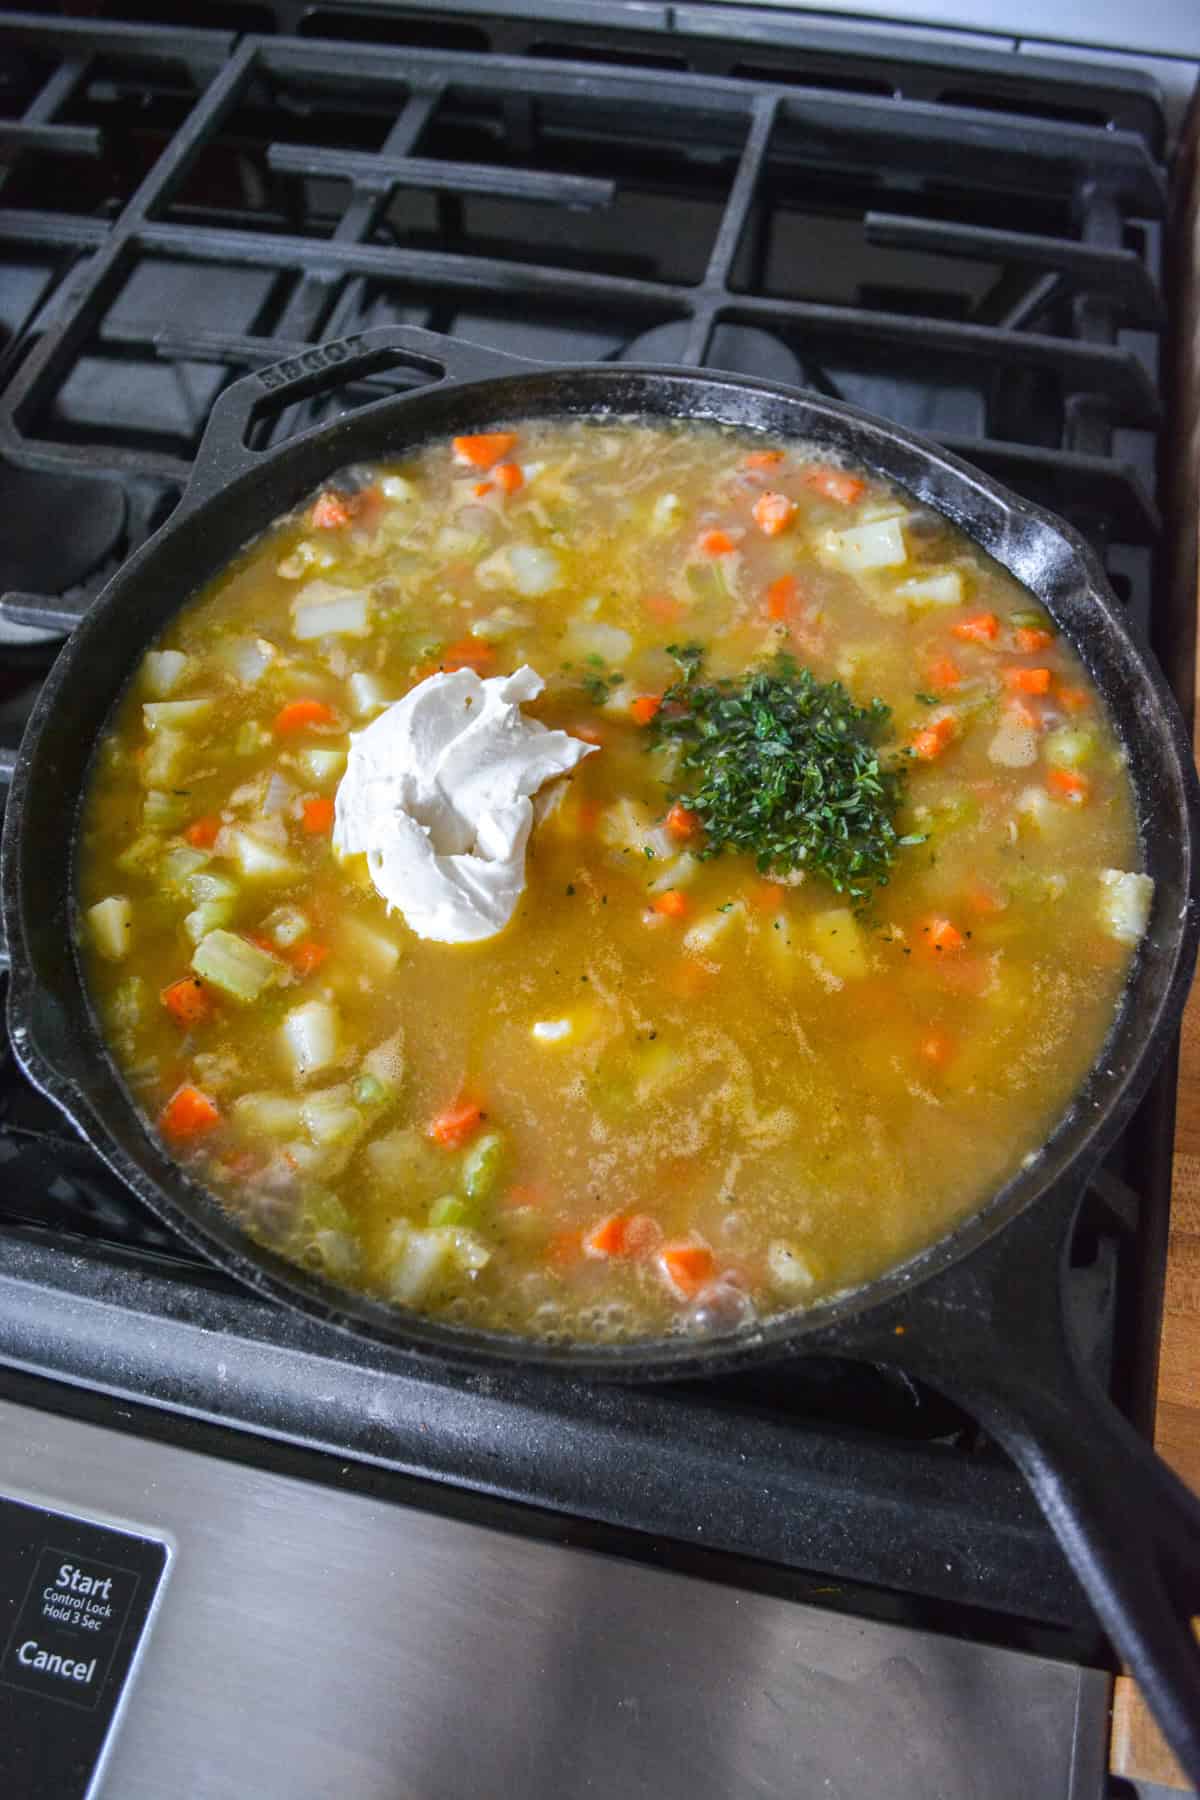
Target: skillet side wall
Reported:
[(55, 1034)]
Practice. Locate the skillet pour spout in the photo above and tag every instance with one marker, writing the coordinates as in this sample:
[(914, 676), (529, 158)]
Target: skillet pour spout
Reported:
[(981, 1313)]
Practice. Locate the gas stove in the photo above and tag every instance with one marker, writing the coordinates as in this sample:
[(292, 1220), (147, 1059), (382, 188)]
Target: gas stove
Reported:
[(964, 240)]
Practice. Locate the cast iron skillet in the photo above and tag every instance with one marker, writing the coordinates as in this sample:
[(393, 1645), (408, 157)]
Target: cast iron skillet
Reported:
[(980, 1315)]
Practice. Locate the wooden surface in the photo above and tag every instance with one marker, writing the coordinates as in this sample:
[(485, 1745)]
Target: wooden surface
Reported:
[(1137, 1750)]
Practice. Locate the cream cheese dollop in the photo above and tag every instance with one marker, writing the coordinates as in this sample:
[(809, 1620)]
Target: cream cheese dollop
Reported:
[(438, 794)]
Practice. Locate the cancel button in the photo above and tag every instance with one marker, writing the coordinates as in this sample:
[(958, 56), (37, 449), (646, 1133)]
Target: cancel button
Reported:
[(50, 1662)]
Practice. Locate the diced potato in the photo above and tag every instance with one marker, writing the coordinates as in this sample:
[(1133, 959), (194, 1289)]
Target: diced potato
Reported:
[(210, 915), (789, 1270), (1035, 810), (322, 767), (1125, 900), (385, 1063), (110, 923), (322, 610), (1014, 746), (176, 715), (397, 488), (665, 514), (286, 926), (180, 866), (374, 950), (838, 940), (1069, 747), (595, 638), (367, 695), (271, 1115), (550, 1031), (311, 1036), (712, 931), (163, 671), (331, 1118), (140, 857), (501, 624), (404, 1160), (246, 658), (307, 555), (419, 1259), (879, 544), (939, 588), (682, 871), (166, 756), (259, 861)]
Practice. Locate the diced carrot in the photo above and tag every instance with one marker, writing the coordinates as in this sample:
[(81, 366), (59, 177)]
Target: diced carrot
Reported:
[(664, 608), (928, 743), (762, 459), (202, 833), (1028, 681), (187, 1001), (482, 488), (782, 596), (261, 942), (564, 1249), (187, 1114), (672, 904), (317, 815), (716, 543), (941, 935), (308, 956), (985, 900), (1073, 699), (682, 822), (606, 1238), (483, 449), (944, 673), (643, 1235), (300, 715), (685, 1267), (366, 506), (468, 653), (1066, 784), (937, 1049), (644, 708), (330, 511), (773, 513), (508, 477), (687, 979), (1030, 639), (980, 628), (589, 812), (835, 484), (457, 1125), (765, 896)]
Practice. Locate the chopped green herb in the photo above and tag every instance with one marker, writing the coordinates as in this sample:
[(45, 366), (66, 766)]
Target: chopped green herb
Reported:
[(787, 770)]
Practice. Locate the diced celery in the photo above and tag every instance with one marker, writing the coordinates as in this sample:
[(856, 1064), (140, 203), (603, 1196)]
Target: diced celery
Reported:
[(450, 1210), (322, 767), (271, 1115), (261, 861), (311, 1036), (323, 1211), (1069, 747), (231, 963), (141, 857), (838, 940), (286, 926), (110, 923), (483, 1166), (1032, 618), (165, 756), (163, 671), (162, 811), (179, 866), (210, 915), (369, 1091), (250, 738), (176, 715)]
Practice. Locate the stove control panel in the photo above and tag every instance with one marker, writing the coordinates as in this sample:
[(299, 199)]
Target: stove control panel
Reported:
[(75, 1601)]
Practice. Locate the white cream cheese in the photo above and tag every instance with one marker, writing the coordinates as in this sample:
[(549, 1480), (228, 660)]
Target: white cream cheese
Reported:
[(438, 794)]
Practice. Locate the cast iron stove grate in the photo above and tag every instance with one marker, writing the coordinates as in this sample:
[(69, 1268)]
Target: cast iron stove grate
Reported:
[(968, 245)]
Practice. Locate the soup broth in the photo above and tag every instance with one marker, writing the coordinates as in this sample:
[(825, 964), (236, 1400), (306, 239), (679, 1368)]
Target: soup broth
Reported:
[(797, 979)]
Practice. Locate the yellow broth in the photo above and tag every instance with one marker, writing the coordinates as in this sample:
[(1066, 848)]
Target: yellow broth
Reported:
[(778, 1090)]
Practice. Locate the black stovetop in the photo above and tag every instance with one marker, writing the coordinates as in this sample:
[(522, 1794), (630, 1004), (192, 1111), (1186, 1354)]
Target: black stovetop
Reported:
[(970, 244)]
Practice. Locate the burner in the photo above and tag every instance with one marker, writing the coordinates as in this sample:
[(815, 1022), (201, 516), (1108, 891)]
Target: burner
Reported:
[(741, 349)]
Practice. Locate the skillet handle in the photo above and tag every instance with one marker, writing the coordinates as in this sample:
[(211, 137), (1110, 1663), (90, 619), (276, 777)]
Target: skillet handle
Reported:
[(993, 1335), (224, 453), (8, 767)]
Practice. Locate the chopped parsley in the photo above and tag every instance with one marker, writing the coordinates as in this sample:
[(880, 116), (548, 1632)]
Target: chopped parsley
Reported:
[(787, 770)]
